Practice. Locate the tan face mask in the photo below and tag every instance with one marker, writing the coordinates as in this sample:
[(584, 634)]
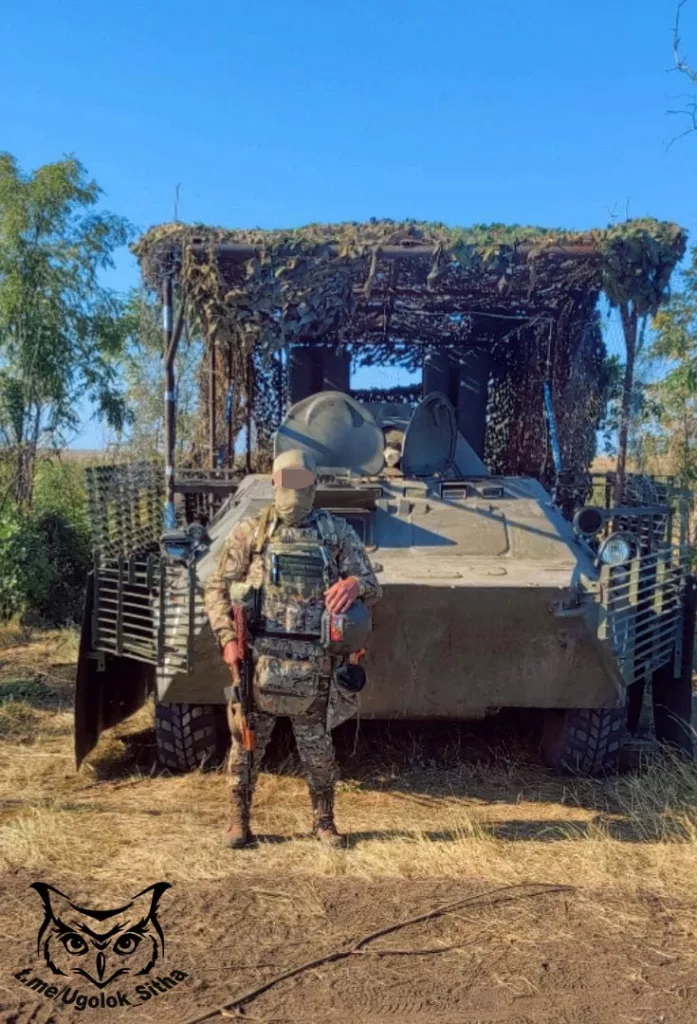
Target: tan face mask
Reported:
[(293, 506)]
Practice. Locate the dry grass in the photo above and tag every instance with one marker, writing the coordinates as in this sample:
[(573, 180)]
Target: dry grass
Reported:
[(500, 820), (658, 465), (429, 822)]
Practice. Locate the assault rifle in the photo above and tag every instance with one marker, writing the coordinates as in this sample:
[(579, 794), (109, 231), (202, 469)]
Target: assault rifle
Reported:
[(242, 680)]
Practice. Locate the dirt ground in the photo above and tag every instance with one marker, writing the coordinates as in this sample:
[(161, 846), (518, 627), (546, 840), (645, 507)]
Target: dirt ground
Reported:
[(591, 912)]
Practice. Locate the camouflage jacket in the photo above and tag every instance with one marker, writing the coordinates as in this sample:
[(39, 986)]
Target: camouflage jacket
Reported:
[(239, 563)]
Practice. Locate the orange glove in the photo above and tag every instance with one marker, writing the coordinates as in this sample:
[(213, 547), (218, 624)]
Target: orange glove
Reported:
[(341, 595), (231, 654)]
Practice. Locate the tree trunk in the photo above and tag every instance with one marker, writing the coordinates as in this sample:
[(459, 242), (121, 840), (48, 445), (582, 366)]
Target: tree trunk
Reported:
[(23, 483), (629, 326), (28, 446)]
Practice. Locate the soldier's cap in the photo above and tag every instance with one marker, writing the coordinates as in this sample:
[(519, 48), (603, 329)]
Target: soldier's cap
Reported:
[(294, 469)]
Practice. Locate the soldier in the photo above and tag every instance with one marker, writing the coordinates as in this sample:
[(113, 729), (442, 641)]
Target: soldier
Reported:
[(292, 561)]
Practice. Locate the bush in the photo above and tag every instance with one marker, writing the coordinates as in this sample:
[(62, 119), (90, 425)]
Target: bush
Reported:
[(45, 553), (12, 560), (59, 560)]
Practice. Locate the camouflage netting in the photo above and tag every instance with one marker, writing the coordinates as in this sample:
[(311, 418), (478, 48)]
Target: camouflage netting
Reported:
[(529, 294)]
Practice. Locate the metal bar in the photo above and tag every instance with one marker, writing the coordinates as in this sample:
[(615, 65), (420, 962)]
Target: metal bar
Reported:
[(620, 597), (643, 619), (119, 610), (139, 634), (120, 529), (552, 426), (212, 397), (137, 617), (640, 511), (171, 351), (197, 474), (661, 654), (645, 643), (161, 621), (139, 583), (603, 613), (133, 638), (131, 654), (136, 595), (621, 591), (230, 436), (192, 618), (106, 601), (687, 633), (138, 574), (170, 411), (250, 401), (95, 609), (645, 627), (633, 600), (213, 487), (281, 393), (647, 569)]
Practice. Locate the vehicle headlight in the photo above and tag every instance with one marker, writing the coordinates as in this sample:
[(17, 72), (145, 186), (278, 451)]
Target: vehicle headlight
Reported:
[(615, 550)]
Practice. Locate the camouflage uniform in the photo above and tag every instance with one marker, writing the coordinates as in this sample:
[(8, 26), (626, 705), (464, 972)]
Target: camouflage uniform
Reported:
[(292, 677)]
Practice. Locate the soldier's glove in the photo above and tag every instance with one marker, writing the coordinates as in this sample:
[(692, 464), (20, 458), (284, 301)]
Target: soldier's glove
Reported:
[(350, 677), (231, 654), (341, 595)]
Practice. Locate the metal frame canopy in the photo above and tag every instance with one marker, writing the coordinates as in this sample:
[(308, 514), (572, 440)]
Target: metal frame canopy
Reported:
[(518, 302)]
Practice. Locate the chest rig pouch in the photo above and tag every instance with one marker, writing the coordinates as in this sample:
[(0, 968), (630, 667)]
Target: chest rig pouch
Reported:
[(291, 667)]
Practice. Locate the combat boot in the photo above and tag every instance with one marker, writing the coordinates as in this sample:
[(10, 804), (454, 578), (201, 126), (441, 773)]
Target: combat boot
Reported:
[(323, 827), (238, 833)]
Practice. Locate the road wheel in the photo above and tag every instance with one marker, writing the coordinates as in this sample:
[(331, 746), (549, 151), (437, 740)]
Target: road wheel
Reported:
[(188, 735), (672, 709), (584, 741)]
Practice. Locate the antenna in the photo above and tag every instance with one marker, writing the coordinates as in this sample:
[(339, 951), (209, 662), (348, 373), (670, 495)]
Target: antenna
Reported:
[(176, 202)]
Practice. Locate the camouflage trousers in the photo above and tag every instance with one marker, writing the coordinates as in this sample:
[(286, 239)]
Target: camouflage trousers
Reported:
[(312, 738)]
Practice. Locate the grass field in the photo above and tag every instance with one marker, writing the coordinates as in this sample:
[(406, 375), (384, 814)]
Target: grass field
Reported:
[(431, 815)]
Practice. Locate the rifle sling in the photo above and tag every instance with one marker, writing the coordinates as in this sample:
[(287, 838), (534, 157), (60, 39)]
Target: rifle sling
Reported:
[(260, 538)]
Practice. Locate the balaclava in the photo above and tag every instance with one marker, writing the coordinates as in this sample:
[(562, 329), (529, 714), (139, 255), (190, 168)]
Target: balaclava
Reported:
[(295, 486)]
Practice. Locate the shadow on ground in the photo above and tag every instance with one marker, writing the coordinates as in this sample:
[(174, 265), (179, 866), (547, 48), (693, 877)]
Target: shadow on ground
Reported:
[(490, 764), (375, 755), (35, 693)]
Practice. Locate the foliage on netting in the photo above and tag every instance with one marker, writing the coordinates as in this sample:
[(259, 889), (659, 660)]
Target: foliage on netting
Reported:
[(528, 293), (399, 394)]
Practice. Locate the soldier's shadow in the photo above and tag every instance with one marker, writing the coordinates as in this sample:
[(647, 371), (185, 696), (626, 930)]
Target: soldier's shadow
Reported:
[(445, 835), (273, 838)]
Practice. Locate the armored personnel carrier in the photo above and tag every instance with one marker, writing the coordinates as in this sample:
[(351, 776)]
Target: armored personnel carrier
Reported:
[(492, 598), (502, 587)]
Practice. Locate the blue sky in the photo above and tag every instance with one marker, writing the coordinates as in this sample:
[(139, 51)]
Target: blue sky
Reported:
[(273, 114)]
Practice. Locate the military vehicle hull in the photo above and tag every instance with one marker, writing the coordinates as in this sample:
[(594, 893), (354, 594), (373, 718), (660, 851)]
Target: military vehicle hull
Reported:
[(456, 634)]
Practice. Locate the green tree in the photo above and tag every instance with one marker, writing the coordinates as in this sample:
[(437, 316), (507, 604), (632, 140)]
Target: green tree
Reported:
[(674, 393), (61, 330), (144, 377)]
